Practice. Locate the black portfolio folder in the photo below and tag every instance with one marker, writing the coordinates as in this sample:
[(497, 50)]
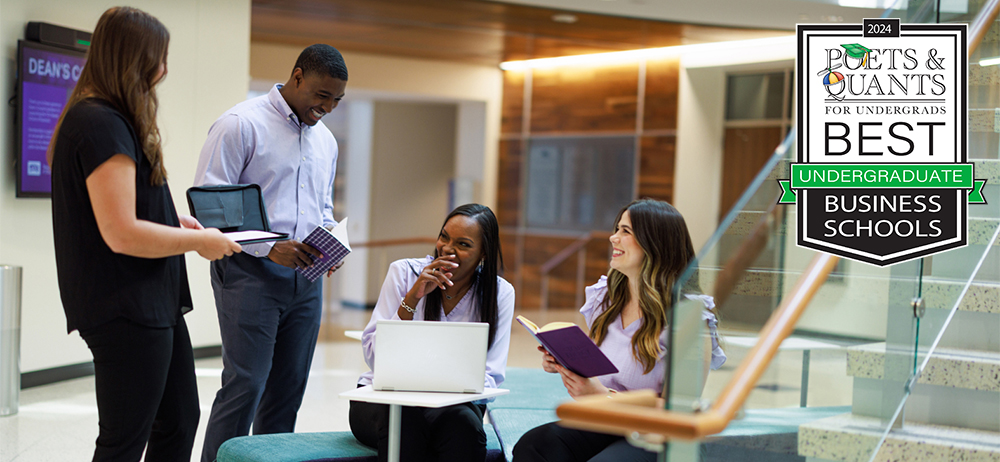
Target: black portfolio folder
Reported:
[(232, 208)]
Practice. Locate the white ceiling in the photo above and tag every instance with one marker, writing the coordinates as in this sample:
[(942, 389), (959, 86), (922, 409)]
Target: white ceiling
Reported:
[(768, 14)]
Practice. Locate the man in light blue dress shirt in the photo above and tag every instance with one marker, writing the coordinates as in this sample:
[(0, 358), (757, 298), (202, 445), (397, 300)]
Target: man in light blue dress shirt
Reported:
[(269, 314)]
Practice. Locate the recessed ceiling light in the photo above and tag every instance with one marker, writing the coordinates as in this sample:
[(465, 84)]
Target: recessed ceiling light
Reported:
[(564, 18), (782, 42)]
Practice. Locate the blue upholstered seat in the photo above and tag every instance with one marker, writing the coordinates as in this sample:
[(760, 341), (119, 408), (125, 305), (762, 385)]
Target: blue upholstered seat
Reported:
[(318, 447), (295, 447), (531, 389), (512, 424), (762, 434)]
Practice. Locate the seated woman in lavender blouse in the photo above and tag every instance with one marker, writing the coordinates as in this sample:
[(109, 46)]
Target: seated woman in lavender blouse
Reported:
[(458, 284), (627, 316)]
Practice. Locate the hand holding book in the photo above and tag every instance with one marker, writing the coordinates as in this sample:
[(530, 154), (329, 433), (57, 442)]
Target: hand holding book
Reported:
[(571, 347), (332, 243)]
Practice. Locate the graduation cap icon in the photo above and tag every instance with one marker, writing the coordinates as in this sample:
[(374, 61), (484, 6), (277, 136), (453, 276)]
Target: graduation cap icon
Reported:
[(857, 51)]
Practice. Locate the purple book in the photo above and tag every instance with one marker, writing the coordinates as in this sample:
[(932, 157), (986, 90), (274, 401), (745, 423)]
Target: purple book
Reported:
[(333, 244), (571, 347)]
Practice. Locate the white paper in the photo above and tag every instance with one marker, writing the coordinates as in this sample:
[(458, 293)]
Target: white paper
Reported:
[(241, 236), (340, 232)]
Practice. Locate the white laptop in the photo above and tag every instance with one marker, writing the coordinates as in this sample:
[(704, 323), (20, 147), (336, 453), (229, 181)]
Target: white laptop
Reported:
[(430, 356)]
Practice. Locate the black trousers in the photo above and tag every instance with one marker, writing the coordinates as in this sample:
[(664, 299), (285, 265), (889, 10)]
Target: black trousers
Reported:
[(452, 433), (147, 394), (269, 318), (552, 443)]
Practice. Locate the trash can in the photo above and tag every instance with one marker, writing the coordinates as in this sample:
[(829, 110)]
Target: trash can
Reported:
[(10, 339)]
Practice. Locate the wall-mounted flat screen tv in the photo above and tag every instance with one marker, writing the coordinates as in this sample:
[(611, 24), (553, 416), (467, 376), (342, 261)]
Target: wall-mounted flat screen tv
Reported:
[(46, 76)]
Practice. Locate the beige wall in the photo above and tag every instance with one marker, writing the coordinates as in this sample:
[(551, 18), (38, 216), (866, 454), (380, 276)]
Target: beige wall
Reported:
[(209, 56), (413, 158), (701, 116), (386, 78)]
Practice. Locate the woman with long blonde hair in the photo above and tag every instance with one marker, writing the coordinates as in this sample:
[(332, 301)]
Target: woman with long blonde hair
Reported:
[(627, 313), (120, 244)]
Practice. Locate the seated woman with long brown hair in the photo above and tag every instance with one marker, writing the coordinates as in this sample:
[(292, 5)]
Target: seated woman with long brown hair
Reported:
[(626, 312)]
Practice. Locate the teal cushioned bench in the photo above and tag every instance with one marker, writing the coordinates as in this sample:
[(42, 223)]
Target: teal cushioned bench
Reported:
[(318, 447), (534, 395), (512, 424), (294, 447), (530, 389), (762, 434)]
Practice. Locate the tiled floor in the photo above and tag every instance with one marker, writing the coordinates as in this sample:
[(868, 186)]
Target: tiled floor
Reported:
[(58, 422)]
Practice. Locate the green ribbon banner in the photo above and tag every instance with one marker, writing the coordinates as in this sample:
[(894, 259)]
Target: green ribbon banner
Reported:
[(867, 176)]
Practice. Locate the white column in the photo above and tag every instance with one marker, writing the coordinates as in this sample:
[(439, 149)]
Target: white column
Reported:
[(353, 279), (470, 152)]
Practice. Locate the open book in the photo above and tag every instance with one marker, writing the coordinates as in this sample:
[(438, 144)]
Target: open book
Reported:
[(571, 347), (333, 244)]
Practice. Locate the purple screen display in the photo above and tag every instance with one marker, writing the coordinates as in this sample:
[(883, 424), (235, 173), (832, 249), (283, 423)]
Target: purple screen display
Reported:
[(49, 78)]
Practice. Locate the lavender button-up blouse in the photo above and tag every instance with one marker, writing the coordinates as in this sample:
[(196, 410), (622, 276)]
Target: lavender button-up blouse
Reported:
[(400, 278), (617, 345)]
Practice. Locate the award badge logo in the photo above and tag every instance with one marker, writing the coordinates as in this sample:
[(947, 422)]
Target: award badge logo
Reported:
[(882, 173)]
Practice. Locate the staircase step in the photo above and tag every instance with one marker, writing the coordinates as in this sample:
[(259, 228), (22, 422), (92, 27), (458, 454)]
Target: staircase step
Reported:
[(949, 367), (987, 169), (983, 75), (981, 230), (850, 438), (981, 297), (984, 120), (992, 34)]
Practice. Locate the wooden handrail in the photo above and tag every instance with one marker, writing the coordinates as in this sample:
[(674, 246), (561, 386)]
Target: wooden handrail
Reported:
[(982, 24), (393, 242), (639, 414)]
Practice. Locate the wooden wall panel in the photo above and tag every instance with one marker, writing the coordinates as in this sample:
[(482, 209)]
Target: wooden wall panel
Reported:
[(509, 250), (584, 98), (662, 83), (598, 258), (746, 150), (467, 31), (510, 162), (656, 167), (538, 250), (563, 282), (512, 112), (572, 102), (518, 47)]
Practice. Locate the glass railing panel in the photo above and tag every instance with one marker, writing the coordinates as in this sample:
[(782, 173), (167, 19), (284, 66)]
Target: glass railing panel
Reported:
[(811, 379), (959, 317), (841, 383)]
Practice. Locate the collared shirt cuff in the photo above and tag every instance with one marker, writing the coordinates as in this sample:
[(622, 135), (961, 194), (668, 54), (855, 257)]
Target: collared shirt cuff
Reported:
[(259, 250)]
